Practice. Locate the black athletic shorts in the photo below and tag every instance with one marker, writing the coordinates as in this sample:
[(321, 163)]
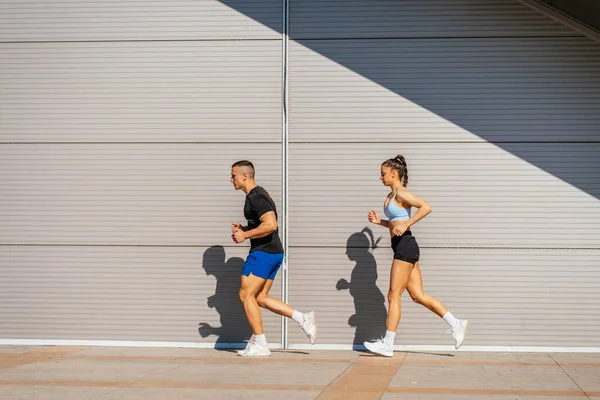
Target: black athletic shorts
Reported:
[(405, 248)]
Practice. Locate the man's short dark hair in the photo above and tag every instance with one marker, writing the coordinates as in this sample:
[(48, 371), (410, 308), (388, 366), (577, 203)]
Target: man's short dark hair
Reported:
[(247, 164)]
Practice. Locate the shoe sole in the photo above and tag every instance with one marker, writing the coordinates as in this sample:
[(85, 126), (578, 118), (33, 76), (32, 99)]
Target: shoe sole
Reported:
[(255, 355), (314, 321), (377, 352), (463, 336)]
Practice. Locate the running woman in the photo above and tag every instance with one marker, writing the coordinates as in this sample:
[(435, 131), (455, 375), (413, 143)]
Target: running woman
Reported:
[(406, 272)]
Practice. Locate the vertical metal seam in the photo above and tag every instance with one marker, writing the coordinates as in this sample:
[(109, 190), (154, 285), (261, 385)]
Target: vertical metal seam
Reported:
[(284, 169)]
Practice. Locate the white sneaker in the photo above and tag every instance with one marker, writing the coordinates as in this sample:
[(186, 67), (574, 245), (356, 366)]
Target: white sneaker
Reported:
[(380, 347), (459, 332), (251, 340), (256, 350), (309, 327)]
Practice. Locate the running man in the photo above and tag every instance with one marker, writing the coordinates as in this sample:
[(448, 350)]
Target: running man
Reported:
[(263, 262)]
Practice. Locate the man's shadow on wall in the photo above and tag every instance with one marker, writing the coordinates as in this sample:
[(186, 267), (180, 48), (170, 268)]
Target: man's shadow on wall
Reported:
[(370, 314), (234, 327)]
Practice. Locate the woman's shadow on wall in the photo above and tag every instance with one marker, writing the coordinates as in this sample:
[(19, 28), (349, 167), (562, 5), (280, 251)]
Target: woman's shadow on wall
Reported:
[(234, 327), (370, 314)]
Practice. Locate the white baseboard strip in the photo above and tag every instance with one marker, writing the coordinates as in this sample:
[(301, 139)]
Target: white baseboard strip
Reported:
[(426, 348)]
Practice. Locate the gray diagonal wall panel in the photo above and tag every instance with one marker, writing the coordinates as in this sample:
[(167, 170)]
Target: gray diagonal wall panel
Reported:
[(497, 90), (187, 294), (414, 18), (127, 194), (85, 20), (482, 195), (511, 297), (136, 92), (497, 110)]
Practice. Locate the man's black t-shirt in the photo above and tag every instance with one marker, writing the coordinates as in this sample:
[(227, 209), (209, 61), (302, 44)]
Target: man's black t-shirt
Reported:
[(259, 202)]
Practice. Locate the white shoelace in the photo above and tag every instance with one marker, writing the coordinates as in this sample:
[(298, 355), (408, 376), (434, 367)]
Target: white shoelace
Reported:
[(252, 345), (451, 331)]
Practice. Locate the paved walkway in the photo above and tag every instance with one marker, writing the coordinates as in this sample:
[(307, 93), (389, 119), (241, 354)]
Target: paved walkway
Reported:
[(108, 373)]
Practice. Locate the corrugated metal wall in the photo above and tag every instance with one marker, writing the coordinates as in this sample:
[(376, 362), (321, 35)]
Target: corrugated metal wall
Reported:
[(119, 122), (496, 109)]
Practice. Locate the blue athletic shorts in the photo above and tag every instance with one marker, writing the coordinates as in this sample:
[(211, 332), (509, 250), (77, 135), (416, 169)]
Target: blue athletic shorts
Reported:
[(262, 264)]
